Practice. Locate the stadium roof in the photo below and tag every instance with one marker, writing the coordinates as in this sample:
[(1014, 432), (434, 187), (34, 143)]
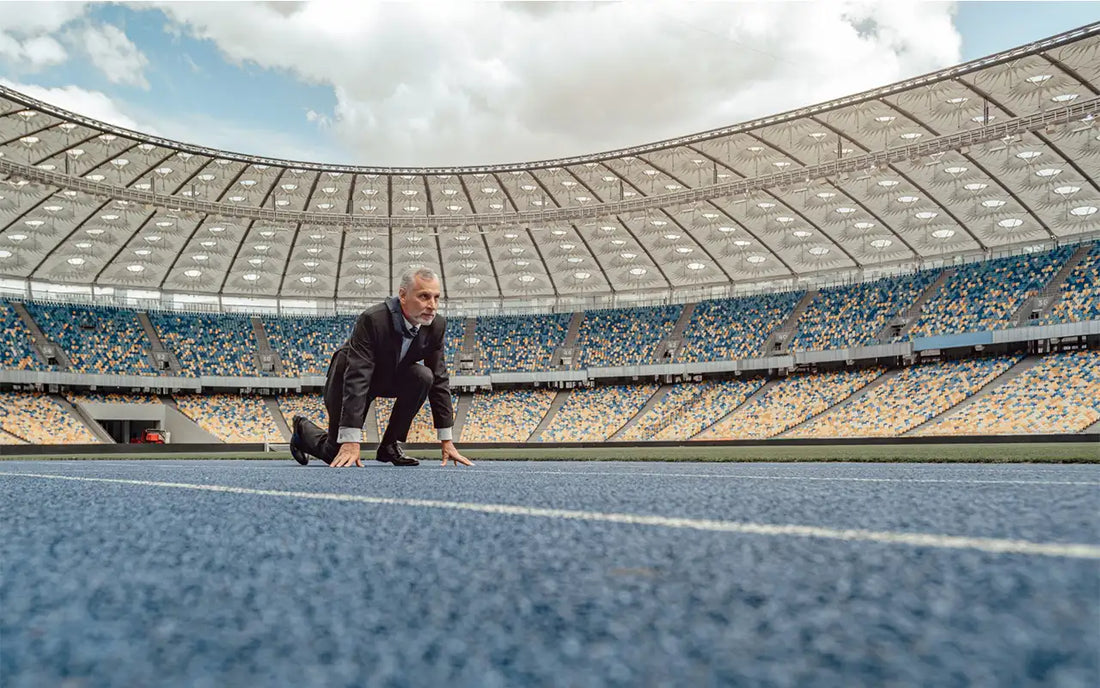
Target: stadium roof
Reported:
[(995, 154)]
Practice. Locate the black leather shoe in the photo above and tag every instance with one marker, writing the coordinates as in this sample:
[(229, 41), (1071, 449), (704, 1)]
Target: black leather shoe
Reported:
[(295, 439), (394, 453)]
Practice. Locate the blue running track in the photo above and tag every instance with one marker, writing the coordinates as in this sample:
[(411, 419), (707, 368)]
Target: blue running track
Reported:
[(209, 573)]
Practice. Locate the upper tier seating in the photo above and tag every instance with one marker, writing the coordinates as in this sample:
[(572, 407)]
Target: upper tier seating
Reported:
[(788, 402), (593, 414), (16, 352), (97, 340), (1079, 297), (306, 345), (984, 296), (908, 399), (519, 343), (231, 417), (208, 344), (1060, 394), (452, 341), (506, 415), (730, 329), (38, 419), (854, 315), (624, 336)]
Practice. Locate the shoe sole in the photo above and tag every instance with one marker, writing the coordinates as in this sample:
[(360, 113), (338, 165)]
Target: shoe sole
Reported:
[(296, 453)]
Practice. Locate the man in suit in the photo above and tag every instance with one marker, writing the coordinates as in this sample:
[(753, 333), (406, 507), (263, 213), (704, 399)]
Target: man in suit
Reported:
[(382, 359)]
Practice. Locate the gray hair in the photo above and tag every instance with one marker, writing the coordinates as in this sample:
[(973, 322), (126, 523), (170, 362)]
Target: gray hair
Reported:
[(409, 276)]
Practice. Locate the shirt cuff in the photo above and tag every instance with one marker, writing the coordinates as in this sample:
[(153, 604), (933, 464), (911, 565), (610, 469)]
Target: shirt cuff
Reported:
[(444, 434), (349, 435)]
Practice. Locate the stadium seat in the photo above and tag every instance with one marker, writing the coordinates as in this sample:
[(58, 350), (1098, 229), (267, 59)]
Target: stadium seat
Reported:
[(36, 418), (984, 296), (16, 352), (230, 417), (506, 415), (788, 402), (1079, 297), (1060, 394), (729, 329), (593, 414), (907, 399), (624, 336), (519, 343), (208, 344), (96, 339), (854, 315)]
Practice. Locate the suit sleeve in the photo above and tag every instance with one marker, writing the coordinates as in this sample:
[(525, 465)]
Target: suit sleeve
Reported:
[(357, 375), (439, 395)]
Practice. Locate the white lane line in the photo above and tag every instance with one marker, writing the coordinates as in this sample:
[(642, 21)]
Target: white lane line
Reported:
[(750, 476), (995, 545)]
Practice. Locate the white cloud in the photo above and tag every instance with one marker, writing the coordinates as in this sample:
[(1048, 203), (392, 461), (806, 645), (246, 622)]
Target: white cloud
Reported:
[(114, 54), (469, 83), (92, 104), (25, 34)]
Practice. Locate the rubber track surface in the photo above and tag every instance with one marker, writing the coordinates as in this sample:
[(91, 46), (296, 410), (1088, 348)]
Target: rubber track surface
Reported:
[(136, 584)]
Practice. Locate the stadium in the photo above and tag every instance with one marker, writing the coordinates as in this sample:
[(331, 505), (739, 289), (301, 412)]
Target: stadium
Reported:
[(909, 274)]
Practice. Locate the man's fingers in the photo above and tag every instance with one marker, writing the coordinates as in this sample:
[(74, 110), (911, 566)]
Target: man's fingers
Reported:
[(359, 462)]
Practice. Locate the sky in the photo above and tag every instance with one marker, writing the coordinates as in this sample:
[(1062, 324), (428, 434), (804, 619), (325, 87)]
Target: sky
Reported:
[(464, 83)]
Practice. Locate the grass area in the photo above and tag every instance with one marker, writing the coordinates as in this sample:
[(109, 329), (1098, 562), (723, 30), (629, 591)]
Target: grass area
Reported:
[(1075, 452), (1054, 452)]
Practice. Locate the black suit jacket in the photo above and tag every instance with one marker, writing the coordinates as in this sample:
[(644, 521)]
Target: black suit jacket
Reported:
[(372, 365)]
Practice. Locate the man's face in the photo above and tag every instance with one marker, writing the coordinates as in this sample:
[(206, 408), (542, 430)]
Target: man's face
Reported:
[(420, 301)]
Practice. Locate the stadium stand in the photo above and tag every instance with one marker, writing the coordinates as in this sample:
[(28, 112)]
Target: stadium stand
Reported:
[(983, 296), (1079, 297), (452, 342), (854, 315), (1060, 394), (593, 414), (519, 343), (36, 418), (729, 329), (208, 344), (305, 345), (506, 415), (230, 417), (905, 401), (789, 402), (16, 352), (97, 340), (715, 400), (8, 438), (111, 398), (624, 336), (312, 406)]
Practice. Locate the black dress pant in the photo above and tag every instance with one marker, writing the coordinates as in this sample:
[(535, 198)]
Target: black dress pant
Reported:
[(410, 390)]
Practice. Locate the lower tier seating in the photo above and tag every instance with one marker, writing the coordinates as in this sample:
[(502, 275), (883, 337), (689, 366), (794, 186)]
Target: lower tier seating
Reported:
[(36, 418), (593, 414), (231, 417), (506, 415), (1061, 393), (906, 400), (788, 402)]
